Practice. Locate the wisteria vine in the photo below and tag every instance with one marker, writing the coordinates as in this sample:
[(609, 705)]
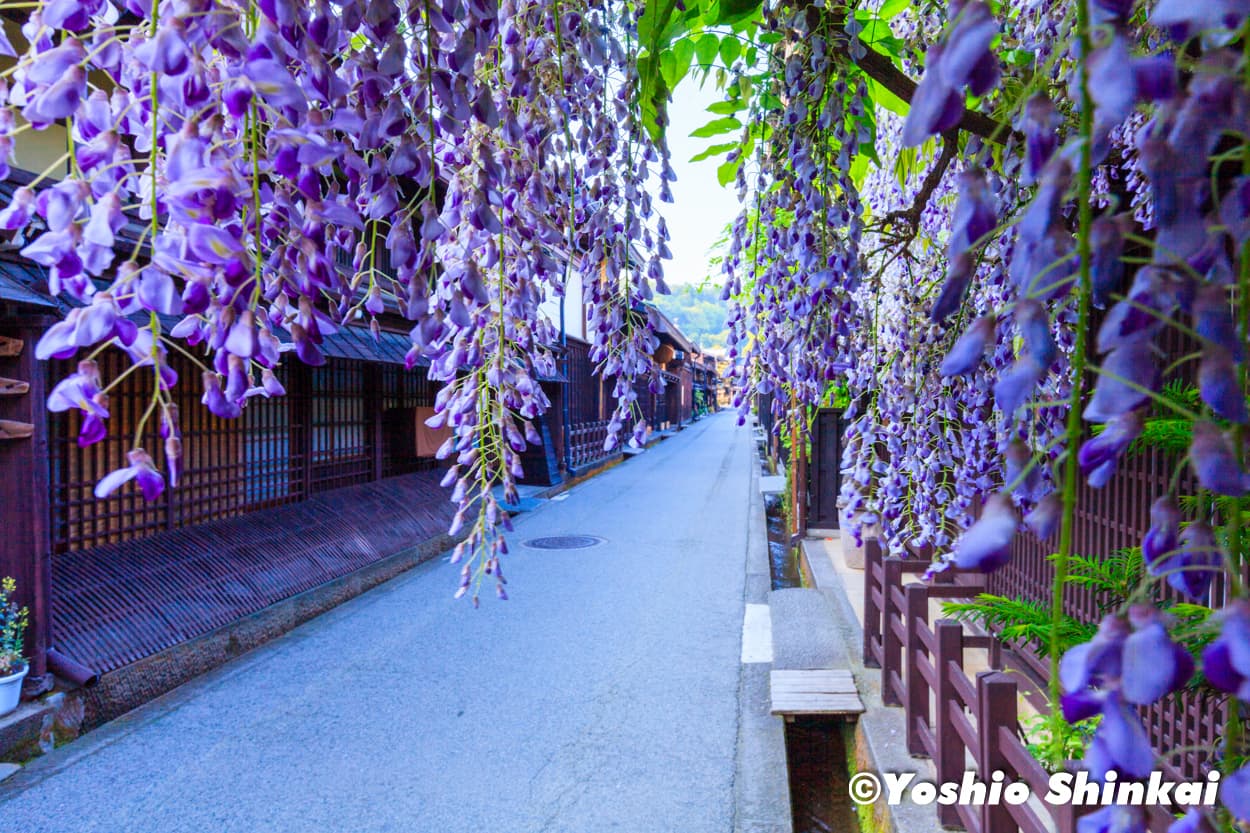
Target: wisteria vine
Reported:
[(245, 177), (1063, 185), (992, 223)]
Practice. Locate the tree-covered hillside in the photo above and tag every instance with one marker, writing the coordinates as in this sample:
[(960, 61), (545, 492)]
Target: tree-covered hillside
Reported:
[(700, 313)]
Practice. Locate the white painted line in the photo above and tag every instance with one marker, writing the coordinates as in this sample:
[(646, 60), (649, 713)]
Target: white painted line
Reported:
[(561, 496), (757, 634), (772, 484)]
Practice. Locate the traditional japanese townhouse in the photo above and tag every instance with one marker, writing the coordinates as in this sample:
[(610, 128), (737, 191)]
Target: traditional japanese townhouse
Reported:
[(302, 501)]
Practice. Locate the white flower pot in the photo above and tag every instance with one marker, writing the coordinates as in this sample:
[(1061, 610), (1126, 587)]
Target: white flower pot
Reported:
[(11, 689)]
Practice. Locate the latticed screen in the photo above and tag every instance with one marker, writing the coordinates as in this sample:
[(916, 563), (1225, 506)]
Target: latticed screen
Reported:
[(590, 404), (345, 423), (228, 467), (79, 520), (342, 448), (401, 393), (584, 388), (273, 449), (1111, 520)]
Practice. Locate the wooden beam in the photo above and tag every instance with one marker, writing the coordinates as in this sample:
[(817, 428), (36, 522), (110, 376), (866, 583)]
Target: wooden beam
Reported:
[(24, 492), (12, 429), (13, 387), (829, 691)]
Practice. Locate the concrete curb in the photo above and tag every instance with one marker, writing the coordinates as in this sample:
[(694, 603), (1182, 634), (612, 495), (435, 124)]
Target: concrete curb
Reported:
[(879, 741), (803, 631), (761, 784), (38, 726)]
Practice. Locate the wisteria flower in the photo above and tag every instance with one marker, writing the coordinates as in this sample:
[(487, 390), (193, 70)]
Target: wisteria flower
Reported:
[(1235, 793), (1130, 661), (1162, 537), (141, 470), (1194, 562), (1044, 518), (1226, 661), (1214, 461), (969, 349), (986, 545)]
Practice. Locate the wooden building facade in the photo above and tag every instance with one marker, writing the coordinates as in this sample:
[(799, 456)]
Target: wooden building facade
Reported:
[(112, 580)]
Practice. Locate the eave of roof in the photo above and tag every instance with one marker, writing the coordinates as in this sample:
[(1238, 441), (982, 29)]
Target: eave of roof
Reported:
[(19, 279)]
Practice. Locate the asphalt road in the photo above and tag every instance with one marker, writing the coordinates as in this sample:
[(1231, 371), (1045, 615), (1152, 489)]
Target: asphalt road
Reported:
[(602, 697)]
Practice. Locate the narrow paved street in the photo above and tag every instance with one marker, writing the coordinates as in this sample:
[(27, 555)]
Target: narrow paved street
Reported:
[(602, 697)]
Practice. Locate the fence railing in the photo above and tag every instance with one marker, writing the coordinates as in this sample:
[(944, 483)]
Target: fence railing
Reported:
[(952, 718), (1109, 520), (586, 442)]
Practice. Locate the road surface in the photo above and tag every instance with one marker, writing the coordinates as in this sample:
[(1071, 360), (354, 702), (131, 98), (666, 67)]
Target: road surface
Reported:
[(602, 697)]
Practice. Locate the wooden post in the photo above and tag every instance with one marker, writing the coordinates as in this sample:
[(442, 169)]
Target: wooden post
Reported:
[(996, 653), (798, 472), (372, 395), (26, 545), (948, 658), (996, 709), (915, 617), (823, 476), (1066, 815), (872, 614), (891, 645), (301, 411)]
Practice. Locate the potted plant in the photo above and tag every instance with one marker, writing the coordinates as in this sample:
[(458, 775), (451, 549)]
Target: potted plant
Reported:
[(13, 666), (851, 551)]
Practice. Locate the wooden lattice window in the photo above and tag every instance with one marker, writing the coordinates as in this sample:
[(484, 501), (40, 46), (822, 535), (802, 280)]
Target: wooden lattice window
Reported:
[(341, 426), (229, 466), (401, 393)]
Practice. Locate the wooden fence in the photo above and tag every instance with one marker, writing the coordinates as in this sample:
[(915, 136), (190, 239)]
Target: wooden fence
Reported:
[(962, 723)]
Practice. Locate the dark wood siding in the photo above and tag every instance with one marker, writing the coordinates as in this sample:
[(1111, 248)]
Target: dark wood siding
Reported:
[(346, 423)]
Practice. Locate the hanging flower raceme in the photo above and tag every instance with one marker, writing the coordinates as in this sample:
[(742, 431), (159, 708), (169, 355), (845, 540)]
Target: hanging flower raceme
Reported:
[(792, 282), (81, 391), (961, 60), (141, 470), (1132, 661), (986, 545), (970, 351), (1226, 661), (617, 240), (269, 173)]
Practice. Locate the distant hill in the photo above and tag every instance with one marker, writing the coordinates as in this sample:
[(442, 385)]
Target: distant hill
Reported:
[(700, 313)]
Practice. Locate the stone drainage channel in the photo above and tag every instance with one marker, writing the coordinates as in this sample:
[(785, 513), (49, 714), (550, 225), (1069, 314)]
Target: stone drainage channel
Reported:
[(783, 559), (816, 757)]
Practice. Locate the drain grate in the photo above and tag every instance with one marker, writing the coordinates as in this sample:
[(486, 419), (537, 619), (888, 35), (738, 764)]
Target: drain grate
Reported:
[(564, 542)]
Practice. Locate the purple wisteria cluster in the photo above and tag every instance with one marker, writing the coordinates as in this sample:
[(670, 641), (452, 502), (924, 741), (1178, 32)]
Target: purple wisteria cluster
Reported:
[(1189, 272), (792, 262), (244, 178), (1026, 265), (925, 443)]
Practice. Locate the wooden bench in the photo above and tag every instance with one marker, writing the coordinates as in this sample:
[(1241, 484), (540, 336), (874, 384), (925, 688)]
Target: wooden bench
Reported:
[(825, 691)]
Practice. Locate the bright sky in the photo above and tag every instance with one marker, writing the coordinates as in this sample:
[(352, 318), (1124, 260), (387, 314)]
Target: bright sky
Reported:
[(701, 208)]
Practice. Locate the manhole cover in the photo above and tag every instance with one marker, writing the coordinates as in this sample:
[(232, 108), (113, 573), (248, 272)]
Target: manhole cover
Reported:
[(564, 542)]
